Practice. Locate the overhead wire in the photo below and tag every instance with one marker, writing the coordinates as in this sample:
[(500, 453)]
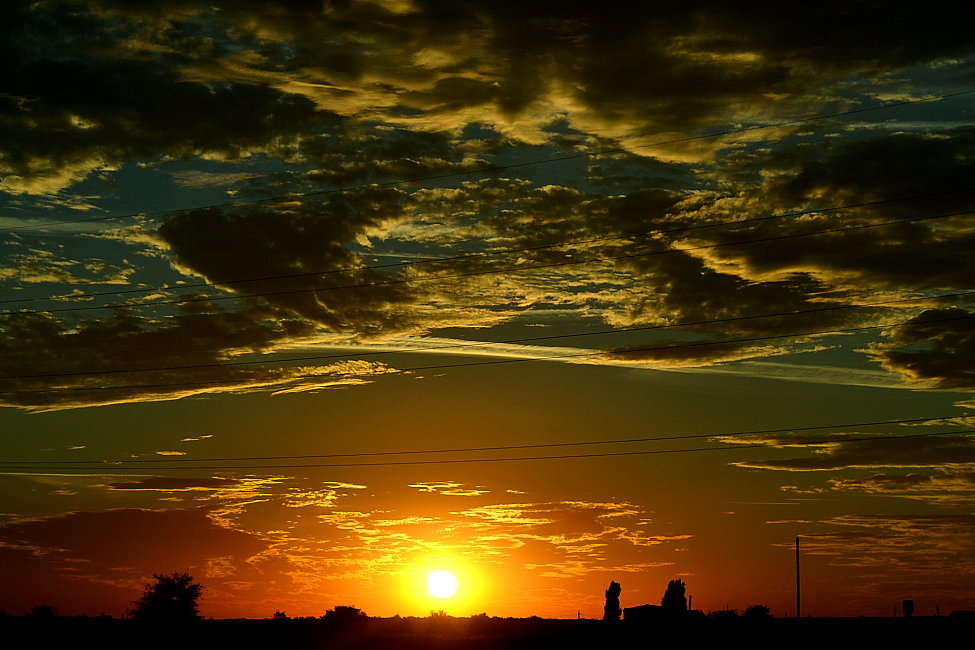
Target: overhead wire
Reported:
[(458, 461), (754, 432)]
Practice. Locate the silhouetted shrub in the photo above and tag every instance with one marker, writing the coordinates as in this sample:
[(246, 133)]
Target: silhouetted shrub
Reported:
[(171, 598), (42, 612), (757, 612), (344, 613)]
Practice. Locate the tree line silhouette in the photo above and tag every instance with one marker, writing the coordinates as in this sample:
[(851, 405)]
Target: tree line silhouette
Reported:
[(167, 615)]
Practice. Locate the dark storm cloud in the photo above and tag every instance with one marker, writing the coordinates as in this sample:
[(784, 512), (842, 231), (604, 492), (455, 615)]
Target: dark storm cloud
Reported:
[(368, 91), (680, 288), (677, 64), (308, 241), (943, 487), (798, 269), (940, 451), (181, 78), (70, 103), (663, 285), (941, 352), (40, 343), (924, 254)]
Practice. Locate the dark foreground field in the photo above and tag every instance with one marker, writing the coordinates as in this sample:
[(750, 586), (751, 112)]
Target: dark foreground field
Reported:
[(478, 634)]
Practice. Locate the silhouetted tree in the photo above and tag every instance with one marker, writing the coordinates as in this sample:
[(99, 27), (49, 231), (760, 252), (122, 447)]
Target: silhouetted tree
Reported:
[(280, 616), (170, 598), (757, 611), (612, 611), (674, 600)]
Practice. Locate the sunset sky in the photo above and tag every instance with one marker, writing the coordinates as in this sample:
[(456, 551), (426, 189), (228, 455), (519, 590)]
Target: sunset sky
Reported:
[(311, 299)]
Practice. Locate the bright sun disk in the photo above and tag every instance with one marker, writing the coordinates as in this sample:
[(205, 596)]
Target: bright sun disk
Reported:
[(441, 584)]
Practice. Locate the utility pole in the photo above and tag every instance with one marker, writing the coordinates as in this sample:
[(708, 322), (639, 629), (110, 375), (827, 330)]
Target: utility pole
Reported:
[(798, 588)]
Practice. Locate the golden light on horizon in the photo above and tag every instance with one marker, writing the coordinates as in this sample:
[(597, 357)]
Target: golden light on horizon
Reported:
[(446, 582), (442, 584)]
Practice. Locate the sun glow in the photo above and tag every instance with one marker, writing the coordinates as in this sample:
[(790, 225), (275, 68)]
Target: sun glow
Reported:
[(441, 584), (444, 582)]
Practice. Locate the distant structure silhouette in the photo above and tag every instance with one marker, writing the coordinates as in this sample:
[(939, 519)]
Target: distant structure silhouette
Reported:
[(675, 600), (674, 603), (612, 611), (644, 613), (908, 607)]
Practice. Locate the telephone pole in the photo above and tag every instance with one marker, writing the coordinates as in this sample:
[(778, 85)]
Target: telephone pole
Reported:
[(798, 589)]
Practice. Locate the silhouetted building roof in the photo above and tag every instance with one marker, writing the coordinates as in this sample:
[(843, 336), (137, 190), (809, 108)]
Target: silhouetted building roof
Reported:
[(644, 613)]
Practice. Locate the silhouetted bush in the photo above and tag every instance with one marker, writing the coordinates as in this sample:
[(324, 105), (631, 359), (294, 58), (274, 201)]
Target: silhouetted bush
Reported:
[(345, 619), (757, 612), (42, 612), (344, 613), (171, 598)]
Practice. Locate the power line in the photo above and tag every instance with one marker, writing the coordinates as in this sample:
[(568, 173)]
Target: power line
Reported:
[(496, 168), (754, 339), (516, 269), (473, 255), (463, 346), (102, 468), (496, 448)]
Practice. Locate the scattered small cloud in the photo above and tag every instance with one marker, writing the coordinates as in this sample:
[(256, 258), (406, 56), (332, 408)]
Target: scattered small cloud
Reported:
[(448, 488)]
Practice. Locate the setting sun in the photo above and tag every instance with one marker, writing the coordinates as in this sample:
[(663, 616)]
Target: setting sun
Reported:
[(441, 584)]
